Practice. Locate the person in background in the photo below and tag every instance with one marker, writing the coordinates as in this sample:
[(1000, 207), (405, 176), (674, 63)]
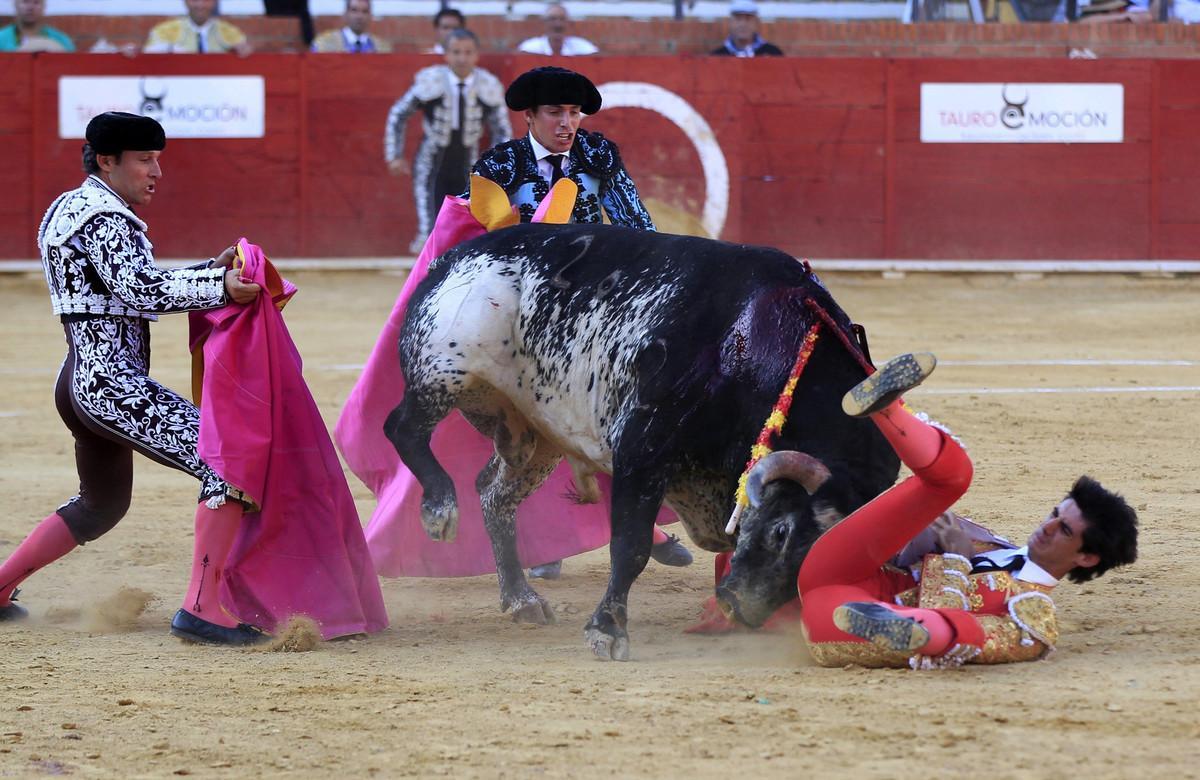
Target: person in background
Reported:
[(353, 37), (445, 21), (457, 100), (28, 32), (744, 40), (198, 32), (556, 42)]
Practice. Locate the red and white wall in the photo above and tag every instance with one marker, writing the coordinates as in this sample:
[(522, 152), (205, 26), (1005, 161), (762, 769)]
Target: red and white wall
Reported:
[(820, 157)]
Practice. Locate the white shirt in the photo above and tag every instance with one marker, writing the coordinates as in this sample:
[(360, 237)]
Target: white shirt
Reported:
[(572, 46), (545, 167), (1030, 572), (455, 119), (352, 37), (202, 33)]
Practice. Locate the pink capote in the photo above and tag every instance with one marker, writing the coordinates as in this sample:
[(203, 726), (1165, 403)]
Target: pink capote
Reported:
[(549, 525), (303, 552)]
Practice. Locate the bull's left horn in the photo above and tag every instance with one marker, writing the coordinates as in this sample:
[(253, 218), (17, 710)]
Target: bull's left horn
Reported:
[(786, 464)]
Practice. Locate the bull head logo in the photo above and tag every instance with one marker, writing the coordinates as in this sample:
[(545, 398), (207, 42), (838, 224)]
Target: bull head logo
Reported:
[(1013, 115), (151, 105)]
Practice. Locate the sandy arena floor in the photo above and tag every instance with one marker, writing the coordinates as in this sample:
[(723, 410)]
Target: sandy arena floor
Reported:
[(89, 687)]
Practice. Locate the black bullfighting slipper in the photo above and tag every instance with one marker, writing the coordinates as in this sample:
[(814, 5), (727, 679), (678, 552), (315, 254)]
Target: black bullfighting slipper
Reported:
[(881, 626), (898, 375), (13, 611), (671, 552), (190, 628)]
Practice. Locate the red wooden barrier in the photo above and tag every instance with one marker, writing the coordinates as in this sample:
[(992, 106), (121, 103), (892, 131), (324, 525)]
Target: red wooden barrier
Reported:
[(823, 155)]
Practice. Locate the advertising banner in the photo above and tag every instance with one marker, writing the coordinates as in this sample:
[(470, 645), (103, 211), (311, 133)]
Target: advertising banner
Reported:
[(187, 106), (1022, 113)]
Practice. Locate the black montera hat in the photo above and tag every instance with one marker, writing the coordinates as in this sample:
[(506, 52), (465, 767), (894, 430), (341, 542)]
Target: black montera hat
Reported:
[(551, 86), (114, 132)]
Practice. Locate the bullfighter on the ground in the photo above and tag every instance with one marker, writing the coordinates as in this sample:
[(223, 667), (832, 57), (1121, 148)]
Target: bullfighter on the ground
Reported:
[(457, 100), (554, 102), (973, 597), (106, 289)]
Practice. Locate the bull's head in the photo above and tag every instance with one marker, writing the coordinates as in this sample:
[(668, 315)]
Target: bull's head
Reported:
[(792, 502)]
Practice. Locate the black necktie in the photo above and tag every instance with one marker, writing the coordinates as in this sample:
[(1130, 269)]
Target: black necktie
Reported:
[(981, 563), (556, 172), (200, 47), (462, 104)]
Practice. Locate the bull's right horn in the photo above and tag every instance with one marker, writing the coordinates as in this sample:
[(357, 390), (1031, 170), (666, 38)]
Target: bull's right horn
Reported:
[(786, 464)]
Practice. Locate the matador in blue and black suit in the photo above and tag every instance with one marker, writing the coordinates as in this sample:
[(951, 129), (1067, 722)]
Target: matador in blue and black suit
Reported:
[(554, 101)]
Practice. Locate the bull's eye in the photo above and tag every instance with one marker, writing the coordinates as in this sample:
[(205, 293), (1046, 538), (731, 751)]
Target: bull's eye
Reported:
[(781, 533)]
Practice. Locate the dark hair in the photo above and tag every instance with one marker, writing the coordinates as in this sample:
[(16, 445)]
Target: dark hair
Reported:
[(462, 33), (448, 11), (1111, 531), (90, 165)]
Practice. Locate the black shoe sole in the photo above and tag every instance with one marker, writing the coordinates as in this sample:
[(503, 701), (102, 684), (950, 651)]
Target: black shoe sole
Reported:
[(881, 626), (898, 375)]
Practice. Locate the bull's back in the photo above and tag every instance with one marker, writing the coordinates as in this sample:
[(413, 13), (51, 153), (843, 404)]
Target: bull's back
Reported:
[(569, 321)]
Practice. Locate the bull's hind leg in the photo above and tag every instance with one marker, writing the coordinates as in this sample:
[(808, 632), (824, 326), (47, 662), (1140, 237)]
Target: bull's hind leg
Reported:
[(636, 499), (503, 485), (409, 428)]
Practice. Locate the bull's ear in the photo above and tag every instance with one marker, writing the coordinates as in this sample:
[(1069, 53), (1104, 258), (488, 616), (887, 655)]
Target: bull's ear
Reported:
[(826, 515)]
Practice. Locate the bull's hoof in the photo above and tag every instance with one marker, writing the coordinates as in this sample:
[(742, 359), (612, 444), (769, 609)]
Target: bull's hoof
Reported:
[(530, 608), (605, 646), (440, 520)]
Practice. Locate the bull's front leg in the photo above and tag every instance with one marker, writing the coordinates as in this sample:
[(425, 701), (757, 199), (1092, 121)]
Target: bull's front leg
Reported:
[(501, 490), (636, 499), (409, 428)]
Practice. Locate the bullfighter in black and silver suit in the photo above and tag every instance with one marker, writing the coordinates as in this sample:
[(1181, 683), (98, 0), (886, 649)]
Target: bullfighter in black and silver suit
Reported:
[(456, 100), (106, 289)]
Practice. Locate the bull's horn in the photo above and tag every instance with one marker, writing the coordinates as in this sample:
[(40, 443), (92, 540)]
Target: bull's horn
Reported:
[(786, 464)]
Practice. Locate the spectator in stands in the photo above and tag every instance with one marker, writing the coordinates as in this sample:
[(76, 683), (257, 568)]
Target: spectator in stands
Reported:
[(353, 37), (744, 40), (200, 32), (457, 100), (556, 41), (1106, 11), (28, 33), (446, 21)]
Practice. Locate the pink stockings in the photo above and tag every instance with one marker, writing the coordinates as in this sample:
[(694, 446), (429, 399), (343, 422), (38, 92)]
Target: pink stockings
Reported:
[(216, 530), (48, 542), (844, 564)]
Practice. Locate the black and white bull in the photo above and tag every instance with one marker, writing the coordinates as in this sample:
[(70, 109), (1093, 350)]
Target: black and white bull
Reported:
[(654, 358)]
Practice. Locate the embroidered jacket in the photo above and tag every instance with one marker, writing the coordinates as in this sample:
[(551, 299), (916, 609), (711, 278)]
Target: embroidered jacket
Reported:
[(180, 36), (1017, 617), (98, 260), (432, 91), (595, 166)]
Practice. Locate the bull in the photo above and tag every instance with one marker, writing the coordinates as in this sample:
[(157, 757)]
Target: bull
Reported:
[(654, 358)]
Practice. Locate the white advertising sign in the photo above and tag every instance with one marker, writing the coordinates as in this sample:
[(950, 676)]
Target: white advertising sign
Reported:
[(1023, 113), (187, 106)]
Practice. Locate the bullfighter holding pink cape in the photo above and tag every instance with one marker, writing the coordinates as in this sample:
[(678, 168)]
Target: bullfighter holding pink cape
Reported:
[(300, 549)]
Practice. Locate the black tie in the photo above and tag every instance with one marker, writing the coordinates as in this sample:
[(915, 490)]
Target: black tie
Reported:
[(981, 563), (462, 105), (200, 47), (556, 172)]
